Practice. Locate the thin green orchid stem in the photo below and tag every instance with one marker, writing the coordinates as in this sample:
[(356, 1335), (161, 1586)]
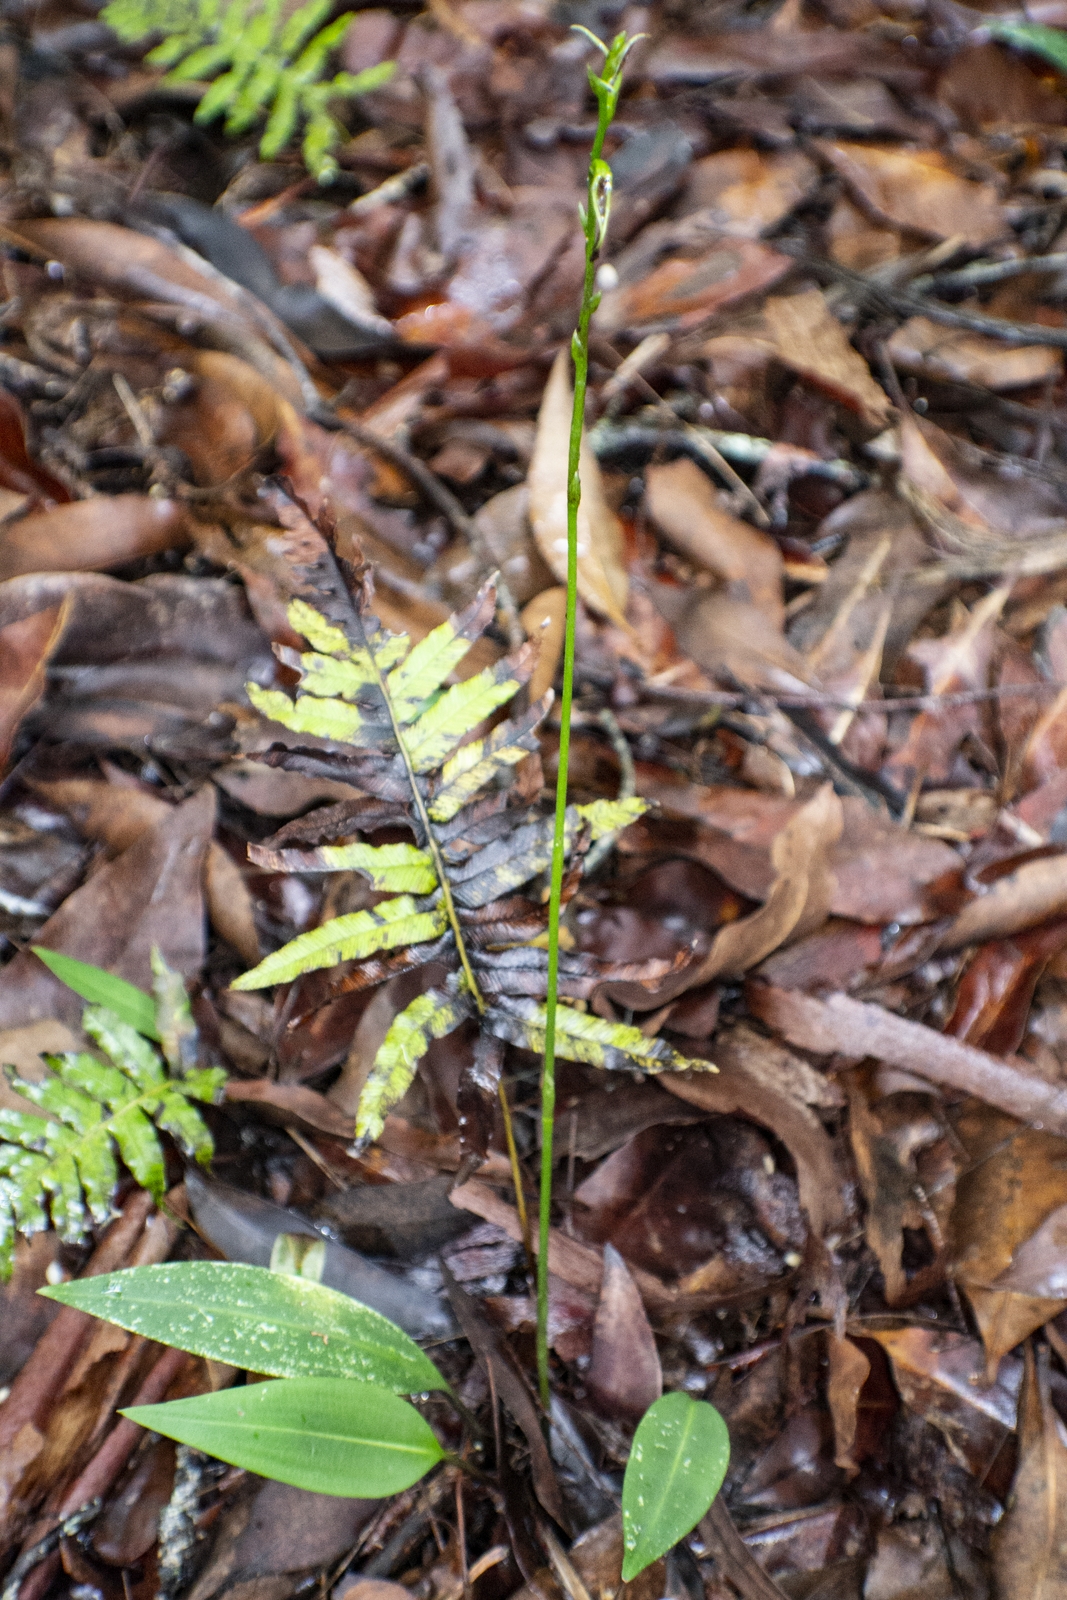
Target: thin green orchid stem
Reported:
[(606, 87)]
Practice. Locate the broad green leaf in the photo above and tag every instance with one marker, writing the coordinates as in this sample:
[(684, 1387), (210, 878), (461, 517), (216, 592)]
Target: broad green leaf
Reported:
[(251, 1317), (350, 938), (582, 1036), (101, 988), (1049, 43), (429, 1016), (331, 1435), (391, 868), (677, 1463)]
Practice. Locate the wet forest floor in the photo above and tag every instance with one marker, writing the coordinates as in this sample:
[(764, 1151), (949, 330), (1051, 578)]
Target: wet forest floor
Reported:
[(823, 632)]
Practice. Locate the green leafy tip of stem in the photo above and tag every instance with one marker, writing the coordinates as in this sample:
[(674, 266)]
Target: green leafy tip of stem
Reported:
[(331, 1435), (417, 749), (679, 1457), (61, 1167), (271, 65), (595, 214), (281, 1325)]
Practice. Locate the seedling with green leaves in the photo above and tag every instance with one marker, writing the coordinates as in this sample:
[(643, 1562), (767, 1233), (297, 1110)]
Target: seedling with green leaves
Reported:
[(271, 66), (62, 1166)]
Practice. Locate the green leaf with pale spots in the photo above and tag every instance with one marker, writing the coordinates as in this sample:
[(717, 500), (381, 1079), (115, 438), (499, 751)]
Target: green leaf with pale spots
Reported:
[(429, 1016), (250, 1317), (62, 1166), (475, 765), (349, 938), (330, 1435), (677, 1462), (391, 868), (581, 1036), (412, 683)]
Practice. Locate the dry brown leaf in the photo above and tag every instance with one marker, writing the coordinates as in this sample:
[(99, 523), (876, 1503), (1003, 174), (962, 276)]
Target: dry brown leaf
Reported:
[(1015, 1178), (120, 812), (955, 356), (684, 505), (624, 1375), (745, 191), (811, 341), (839, 1025), (886, 1171), (91, 535), (25, 647), (544, 621), (1034, 893), (686, 289), (799, 898), (941, 1377), (734, 641), (292, 1105), (736, 1089), (602, 580), (849, 1371), (917, 190), (150, 895), (1030, 1544)]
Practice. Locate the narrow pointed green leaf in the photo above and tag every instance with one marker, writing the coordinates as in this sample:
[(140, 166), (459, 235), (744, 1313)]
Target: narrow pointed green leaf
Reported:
[(331, 1435), (429, 1016), (102, 988), (350, 938), (391, 868), (475, 765), (433, 658), (326, 719), (250, 1317), (432, 739), (677, 1463), (582, 1036)]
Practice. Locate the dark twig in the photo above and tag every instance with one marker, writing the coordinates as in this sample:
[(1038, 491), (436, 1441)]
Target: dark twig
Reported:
[(31, 1558), (430, 485), (897, 303), (983, 272), (824, 702)]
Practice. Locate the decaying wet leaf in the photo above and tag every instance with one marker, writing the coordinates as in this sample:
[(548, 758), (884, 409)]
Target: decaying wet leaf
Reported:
[(1030, 1545), (602, 580)]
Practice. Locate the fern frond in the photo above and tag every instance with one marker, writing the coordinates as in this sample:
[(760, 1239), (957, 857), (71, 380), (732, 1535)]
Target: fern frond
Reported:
[(392, 700), (94, 1110), (269, 66)]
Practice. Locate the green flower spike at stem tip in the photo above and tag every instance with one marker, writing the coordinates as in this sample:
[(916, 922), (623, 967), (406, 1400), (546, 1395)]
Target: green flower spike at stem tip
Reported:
[(607, 87)]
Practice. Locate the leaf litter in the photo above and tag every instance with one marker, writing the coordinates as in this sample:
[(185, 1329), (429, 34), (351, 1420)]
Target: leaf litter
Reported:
[(821, 641)]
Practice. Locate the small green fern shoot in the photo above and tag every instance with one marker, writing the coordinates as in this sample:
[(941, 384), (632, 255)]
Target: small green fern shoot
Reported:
[(607, 86), (270, 66), (61, 1167)]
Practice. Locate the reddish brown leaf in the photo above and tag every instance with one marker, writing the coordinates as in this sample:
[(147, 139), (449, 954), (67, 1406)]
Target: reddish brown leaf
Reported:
[(624, 1375)]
